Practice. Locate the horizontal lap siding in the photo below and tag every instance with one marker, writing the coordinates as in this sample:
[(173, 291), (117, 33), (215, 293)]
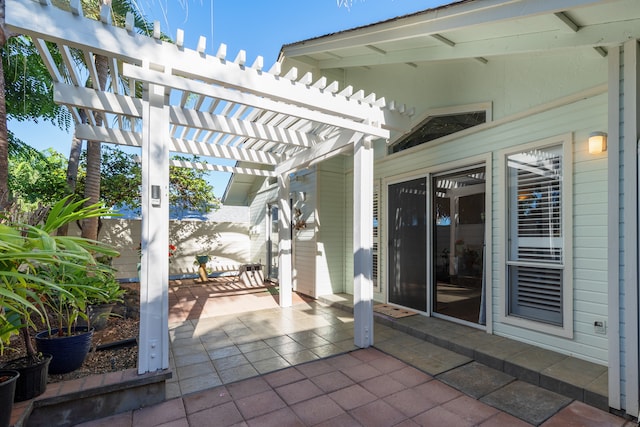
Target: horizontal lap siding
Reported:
[(331, 226), (304, 244), (589, 211)]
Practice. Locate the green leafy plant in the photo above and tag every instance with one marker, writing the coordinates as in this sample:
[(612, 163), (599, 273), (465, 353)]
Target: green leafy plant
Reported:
[(28, 250)]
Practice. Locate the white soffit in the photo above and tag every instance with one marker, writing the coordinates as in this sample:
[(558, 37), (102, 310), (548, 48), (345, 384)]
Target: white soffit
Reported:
[(474, 29)]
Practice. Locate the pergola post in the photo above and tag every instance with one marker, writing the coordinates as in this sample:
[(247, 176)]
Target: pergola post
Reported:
[(154, 270), (362, 243), (284, 245)]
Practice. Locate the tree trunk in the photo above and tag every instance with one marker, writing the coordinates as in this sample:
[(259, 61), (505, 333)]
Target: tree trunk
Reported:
[(92, 184), (4, 135), (72, 169)]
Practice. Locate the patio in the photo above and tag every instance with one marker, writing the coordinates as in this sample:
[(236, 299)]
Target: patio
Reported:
[(298, 366), (236, 356)]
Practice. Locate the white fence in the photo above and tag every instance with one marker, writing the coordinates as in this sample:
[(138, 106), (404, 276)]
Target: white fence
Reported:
[(227, 244)]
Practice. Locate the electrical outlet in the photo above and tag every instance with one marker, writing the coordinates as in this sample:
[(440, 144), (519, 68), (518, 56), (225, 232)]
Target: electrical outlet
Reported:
[(600, 327)]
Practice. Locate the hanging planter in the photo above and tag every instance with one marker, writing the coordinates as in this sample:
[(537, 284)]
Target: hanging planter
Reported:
[(8, 380), (68, 351), (32, 381)]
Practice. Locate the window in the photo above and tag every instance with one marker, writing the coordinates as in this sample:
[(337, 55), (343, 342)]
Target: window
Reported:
[(437, 126), (536, 271)]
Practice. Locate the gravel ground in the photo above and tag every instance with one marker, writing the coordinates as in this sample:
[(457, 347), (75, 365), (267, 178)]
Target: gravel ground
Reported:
[(123, 327)]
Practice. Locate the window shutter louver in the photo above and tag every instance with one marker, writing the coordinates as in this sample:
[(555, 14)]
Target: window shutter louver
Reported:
[(536, 235)]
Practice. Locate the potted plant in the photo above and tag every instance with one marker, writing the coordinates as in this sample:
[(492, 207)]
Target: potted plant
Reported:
[(8, 379), (201, 261), (28, 249)]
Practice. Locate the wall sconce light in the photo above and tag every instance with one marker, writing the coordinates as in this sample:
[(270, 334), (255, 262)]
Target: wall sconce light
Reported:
[(597, 142)]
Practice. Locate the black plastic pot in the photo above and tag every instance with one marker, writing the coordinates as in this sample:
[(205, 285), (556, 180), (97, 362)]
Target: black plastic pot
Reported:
[(8, 380), (33, 376), (68, 352)]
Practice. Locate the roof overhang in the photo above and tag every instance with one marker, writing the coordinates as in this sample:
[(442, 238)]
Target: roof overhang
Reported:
[(475, 30)]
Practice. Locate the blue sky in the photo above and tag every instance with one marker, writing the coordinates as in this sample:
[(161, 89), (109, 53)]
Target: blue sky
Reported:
[(259, 27)]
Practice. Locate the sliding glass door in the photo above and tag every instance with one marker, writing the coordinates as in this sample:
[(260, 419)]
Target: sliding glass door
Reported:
[(458, 201)]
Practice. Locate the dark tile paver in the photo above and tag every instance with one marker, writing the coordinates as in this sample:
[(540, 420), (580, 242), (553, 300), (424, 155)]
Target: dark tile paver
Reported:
[(248, 387), (439, 416), (383, 385), (161, 413), (298, 391), (280, 418), (259, 404), (409, 402), (332, 381), (470, 409), (206, 399), (352, 397), (317, 410), (475, 379), (410, 376), (580, 414), (223, 415), (527, 402), (284, 376), (377, 414)]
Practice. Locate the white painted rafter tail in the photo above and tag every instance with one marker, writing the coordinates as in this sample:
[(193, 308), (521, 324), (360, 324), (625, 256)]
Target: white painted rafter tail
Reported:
[(292, 74), (258, 64), (370, 99), (358, 96), (276, 69), (129, 22), (221, 168), (76, 7), (307, 79), (105, 13), (333, 87), (321, 83), (202, 45), (180, 37), (381, 102), (346, 92), (156, 30), (250, 99), (221, 54), (241, 58)]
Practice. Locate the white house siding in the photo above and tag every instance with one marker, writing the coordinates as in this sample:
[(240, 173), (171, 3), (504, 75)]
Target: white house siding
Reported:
[(304, 239), (527, 94), (330, 255), (258, 219)]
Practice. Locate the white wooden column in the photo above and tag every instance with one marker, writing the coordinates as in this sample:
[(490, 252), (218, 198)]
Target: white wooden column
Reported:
[(284, 244), (153, 348), (363, 243)]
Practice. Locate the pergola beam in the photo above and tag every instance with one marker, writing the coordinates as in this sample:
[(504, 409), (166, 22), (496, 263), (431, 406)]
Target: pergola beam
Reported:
[(185, 84)]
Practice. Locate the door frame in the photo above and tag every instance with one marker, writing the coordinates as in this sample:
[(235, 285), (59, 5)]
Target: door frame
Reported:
[(427, 173)]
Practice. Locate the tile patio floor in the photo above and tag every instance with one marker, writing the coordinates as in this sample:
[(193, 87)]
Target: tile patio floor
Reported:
[(298, 367)]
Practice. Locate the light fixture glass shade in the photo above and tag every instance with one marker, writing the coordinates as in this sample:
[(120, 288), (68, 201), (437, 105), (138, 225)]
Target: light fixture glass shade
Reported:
[(597, 142)]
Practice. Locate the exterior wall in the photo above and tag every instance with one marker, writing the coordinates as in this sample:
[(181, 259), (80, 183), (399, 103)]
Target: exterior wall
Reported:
[(304, 239), (227, 243), (533, 98), (330, 254), (258, 219)]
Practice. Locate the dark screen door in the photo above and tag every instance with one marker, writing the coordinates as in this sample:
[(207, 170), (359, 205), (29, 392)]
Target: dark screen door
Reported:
[(408, 244)]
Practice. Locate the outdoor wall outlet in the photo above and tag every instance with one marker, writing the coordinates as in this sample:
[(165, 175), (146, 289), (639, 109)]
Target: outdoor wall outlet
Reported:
[(600, 327), (155, 195)]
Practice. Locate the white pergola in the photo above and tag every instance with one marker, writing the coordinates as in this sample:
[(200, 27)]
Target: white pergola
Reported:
[(213, 107)]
